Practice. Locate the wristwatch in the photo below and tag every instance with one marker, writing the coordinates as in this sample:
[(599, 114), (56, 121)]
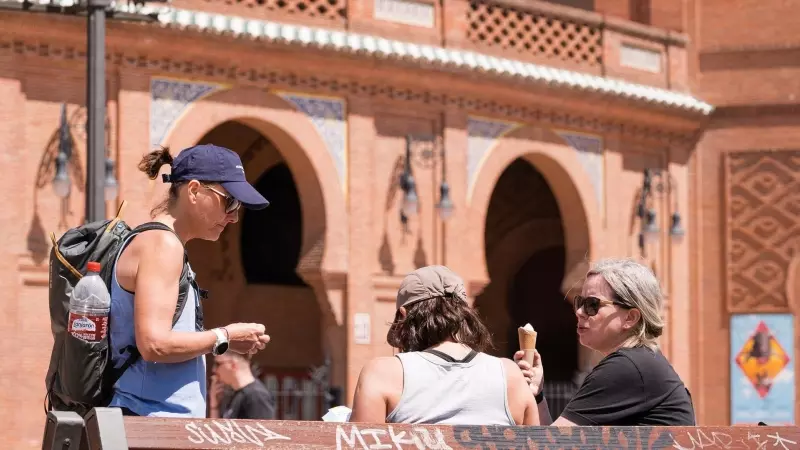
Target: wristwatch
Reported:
[(221, 345)]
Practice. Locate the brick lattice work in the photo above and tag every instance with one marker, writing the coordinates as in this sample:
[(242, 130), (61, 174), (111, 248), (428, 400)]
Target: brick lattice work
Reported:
[(763, 222), (534, 34), (322, 9)]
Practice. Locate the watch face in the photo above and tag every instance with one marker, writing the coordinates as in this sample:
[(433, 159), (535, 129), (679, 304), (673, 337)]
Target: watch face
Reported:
[(222, 348)]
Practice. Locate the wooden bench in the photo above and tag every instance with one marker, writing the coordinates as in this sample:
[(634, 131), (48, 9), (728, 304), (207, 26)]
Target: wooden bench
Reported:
[(106, 429)]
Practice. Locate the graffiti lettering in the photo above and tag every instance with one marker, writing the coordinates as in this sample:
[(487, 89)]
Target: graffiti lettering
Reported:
[(757, 439), (715, 439), (230, 432), (782, 441), (507, 438), (380, 439)]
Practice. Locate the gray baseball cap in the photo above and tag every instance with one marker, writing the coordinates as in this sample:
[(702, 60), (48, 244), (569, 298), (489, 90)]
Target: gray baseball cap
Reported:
[(429, 282)]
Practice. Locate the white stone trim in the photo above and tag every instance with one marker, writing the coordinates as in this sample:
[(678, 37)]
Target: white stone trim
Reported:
[(379, 47)]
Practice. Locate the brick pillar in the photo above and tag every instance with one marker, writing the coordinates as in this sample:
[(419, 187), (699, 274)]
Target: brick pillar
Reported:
[(360, 296), (14, 221)]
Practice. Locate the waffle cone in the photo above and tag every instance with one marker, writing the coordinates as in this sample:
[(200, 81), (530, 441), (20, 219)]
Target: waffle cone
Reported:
[(527, 339)]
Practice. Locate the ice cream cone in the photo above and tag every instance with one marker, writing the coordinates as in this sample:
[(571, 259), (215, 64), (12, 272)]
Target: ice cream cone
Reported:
[(527, 341)]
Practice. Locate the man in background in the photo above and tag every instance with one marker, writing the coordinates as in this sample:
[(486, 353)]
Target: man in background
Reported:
[(238, 393)]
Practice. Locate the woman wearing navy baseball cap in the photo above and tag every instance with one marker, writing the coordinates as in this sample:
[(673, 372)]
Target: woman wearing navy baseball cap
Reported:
[(152, 272)]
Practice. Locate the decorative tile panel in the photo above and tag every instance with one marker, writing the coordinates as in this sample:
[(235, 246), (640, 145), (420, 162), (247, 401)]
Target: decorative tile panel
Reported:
[(482, 135), (590, 154), (763, 227), (328, 116), (169, 98)]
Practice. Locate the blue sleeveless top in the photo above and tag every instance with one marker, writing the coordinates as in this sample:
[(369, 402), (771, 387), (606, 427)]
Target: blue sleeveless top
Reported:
[(149, 388)]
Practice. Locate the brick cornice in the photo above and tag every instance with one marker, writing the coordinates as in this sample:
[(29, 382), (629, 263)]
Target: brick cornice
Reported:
[(552, 108)]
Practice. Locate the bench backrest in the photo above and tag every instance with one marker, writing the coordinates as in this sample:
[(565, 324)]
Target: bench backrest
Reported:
[(109, 431)]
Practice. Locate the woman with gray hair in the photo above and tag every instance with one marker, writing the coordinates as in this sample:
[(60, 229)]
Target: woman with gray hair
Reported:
[(619, 315)]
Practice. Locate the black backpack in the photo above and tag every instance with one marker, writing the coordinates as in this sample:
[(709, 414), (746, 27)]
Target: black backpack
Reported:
[(81, 375)]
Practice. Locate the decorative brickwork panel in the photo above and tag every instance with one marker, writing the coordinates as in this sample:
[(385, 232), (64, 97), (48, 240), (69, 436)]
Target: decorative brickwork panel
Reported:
[(534, 34), (322, 9), (763, 226)]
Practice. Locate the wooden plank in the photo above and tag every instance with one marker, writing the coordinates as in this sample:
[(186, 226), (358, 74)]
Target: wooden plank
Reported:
[(169, 434)]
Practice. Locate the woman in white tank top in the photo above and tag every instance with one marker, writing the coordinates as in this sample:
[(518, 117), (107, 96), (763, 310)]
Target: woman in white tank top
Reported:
[(441, 375)]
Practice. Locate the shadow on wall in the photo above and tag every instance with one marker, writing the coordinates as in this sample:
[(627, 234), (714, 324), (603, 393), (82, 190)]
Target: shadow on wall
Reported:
[(38, 243)]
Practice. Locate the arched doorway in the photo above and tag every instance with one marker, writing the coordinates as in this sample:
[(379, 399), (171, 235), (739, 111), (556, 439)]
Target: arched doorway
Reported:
[(251, 273), (526, 258)]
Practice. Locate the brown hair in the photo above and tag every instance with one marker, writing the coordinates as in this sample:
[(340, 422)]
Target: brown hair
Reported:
[(151, 164), (431, 322)]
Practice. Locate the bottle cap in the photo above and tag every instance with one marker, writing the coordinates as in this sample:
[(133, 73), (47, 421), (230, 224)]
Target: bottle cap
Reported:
[(93, 266)]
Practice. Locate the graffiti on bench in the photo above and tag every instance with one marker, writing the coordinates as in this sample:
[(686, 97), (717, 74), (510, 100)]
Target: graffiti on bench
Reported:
[(698, 439), (176, 434), (230, 432), (349, 436)]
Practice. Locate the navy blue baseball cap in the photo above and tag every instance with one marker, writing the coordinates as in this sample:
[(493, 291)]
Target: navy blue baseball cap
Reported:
[(214, 164)]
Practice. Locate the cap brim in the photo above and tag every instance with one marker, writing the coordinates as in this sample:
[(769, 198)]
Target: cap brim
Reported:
[(246, 193)]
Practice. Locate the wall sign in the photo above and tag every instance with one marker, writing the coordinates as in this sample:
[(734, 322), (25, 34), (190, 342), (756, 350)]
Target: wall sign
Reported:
[(409, 12), (362, 329), (762, 369), (640, 58)]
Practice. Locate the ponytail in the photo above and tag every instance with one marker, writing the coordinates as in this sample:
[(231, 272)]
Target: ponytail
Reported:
[(151, 163)]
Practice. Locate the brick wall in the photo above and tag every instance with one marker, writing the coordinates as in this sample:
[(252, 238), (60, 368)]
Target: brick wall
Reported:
[(742, 58), (355, 250)]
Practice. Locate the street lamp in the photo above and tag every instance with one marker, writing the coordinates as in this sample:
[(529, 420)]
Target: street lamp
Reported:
[(61, 182), (425, 156), (657, 182), (110, 185), (111, 188)]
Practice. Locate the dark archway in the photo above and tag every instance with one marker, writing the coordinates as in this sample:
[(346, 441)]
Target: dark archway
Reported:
[(535, 297), (251, 273), (525, 252), (272, 237)]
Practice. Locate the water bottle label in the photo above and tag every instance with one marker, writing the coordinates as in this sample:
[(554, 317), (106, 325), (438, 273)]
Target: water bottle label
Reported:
[(89, 327)]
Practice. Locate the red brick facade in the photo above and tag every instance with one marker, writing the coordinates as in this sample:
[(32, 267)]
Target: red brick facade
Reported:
[(338, 120)]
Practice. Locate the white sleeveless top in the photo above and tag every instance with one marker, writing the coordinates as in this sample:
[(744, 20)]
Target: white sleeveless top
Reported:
[(437, 389)]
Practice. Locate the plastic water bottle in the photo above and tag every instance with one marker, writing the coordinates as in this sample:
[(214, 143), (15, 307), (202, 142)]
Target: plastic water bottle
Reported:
[(89, 305)]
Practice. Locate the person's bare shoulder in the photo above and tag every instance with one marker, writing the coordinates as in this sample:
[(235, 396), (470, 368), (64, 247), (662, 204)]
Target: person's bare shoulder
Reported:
[(515, 379), (158, 241), (383, 368), (511, 368), (160, 246), (520, 398), (156, 259), (379, 386)]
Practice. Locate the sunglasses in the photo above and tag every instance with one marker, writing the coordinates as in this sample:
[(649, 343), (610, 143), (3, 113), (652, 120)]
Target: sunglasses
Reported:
[(231, 204), (591, 305)]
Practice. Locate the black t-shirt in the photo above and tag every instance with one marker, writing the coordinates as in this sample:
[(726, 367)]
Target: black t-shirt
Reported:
[(632, 386), (251, 402)]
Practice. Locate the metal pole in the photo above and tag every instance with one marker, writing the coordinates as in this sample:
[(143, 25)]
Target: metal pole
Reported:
[(96, 109)]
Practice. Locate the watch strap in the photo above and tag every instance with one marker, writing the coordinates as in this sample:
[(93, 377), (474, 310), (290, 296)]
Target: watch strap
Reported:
[(222, 338)]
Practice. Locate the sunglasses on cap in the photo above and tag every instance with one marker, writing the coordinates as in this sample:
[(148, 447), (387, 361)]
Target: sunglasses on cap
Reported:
[(231, 204), (591, 305)]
